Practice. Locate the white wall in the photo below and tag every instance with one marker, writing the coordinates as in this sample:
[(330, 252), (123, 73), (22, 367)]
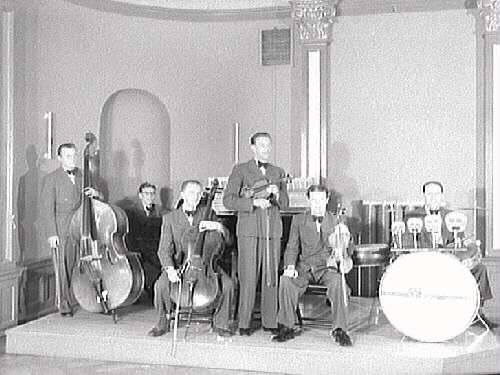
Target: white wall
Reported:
[(403, 105)]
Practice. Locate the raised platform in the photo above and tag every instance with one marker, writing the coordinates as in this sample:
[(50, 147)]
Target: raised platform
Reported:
[(378, 347)]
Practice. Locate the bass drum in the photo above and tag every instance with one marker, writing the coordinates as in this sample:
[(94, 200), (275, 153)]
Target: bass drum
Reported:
[(430, 296)]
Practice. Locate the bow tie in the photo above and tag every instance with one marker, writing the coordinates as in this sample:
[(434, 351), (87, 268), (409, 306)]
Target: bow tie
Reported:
[(71, 172), (434, 212), (319, 219), (190, 213), (261, 164), (149, 208)]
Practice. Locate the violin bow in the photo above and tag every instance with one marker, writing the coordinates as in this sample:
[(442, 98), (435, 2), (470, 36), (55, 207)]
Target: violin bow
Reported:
[(340, 212)]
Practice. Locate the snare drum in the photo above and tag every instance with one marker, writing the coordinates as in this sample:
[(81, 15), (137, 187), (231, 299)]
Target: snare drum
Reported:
[(431, 296), (369, 264), (376, 254)]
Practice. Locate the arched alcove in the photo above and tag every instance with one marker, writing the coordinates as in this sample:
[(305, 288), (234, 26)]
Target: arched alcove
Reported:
[(134, 143)]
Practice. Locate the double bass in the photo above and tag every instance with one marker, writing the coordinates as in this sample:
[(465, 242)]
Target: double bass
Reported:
[(106, 275)]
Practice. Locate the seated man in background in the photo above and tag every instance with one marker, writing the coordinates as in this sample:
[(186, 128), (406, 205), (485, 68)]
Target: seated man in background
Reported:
[(471, 258), (172, 254), (319, 250), (144, 233)]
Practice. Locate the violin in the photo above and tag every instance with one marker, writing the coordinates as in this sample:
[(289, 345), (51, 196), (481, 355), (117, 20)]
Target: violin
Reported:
[(339, 244), (259, 188)]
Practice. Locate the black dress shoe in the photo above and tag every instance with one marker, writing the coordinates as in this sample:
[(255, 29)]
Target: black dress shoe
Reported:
[(67, 314), (245, 331), (223, 332), (341, 337), (284, 334), (155, 332), (274, 331)]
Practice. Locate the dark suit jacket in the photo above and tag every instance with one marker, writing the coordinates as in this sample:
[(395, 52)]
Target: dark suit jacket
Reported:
[(144, 230), (251, 220), (308, 246), (59, 200), (174, 224)]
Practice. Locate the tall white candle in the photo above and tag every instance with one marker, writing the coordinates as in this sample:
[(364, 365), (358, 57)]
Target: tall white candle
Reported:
[(236, 142), (49, 119)]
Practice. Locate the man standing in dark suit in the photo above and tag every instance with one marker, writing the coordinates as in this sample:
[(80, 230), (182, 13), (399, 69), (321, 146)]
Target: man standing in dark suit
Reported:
[(144, 233), (172, 254), (60, 198), (433, 205), (259, 230), (318, 249)]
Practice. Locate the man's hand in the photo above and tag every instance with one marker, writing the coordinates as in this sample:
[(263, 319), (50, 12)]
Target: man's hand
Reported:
[(53, 241), (91, 192), (291, 272), (172, 275), (211, 225), (261, 203), (273, 189)]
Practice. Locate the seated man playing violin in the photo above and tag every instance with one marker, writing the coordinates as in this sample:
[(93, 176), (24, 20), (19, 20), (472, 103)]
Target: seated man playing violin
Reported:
[(173, 254), (434, 212), (319, 250)]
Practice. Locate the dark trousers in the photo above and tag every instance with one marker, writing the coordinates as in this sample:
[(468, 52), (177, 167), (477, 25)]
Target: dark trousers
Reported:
[(63, 265), (291, 289), (252, 262), (222, 314), (480, 273)]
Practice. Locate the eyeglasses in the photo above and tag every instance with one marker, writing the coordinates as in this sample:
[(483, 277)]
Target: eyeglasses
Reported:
[(148, 192)]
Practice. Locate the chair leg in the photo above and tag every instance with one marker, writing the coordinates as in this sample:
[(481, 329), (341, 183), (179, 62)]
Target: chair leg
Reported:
[(299, 316)]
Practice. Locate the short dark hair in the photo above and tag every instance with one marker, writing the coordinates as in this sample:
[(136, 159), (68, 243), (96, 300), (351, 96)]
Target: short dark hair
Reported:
[(187, 182), (254, 137), (424, 186), (317, 188), (145, 185), (65, 145)]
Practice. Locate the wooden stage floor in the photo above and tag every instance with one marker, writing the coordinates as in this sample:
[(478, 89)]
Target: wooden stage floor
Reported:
[(378, 348)]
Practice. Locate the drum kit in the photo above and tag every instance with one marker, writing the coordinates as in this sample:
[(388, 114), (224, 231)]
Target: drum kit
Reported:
[(428, 294)]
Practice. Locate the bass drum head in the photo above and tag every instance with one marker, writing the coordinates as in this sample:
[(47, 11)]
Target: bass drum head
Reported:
[(429, 296)]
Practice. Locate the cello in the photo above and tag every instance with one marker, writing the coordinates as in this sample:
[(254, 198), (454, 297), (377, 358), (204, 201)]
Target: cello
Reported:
[(199, 287), (106, 275)]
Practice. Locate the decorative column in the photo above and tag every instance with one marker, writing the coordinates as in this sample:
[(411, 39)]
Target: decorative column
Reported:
[(313, 24), (489, 128), (9, 272)]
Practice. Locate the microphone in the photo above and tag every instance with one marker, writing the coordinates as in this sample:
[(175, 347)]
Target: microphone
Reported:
[(415, 225), (433, 225), (397, 229), (455, 223)]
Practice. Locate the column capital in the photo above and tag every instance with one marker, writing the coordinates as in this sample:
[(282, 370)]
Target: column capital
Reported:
[(314, 19), (488, 10)]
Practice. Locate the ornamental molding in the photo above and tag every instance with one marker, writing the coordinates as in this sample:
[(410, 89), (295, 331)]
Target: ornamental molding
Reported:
[(488, 10), (314, 19)]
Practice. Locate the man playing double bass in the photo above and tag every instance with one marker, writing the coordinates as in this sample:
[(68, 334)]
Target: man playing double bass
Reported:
[(172, 252), (60, 198), (258, 229)]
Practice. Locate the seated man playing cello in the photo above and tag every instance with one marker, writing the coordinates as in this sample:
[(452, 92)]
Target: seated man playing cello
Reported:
[(173, 254), (442, 237), (319, 250)]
